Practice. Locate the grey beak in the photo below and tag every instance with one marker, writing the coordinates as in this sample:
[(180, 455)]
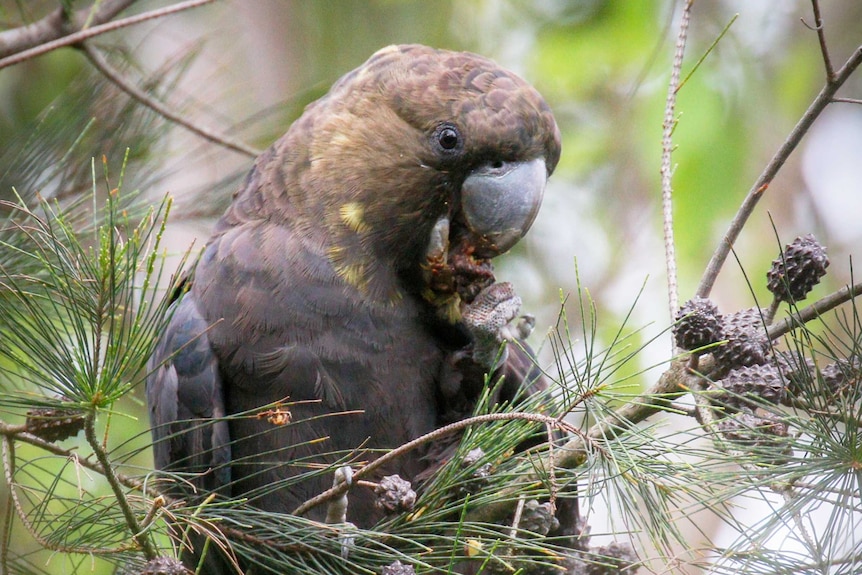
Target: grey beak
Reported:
[(500, 201)]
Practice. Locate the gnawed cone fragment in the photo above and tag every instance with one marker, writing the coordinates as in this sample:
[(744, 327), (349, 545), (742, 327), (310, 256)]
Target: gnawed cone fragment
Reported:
[(394, 495)]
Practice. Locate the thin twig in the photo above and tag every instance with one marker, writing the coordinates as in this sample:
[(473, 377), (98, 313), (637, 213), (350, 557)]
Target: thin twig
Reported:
[(847, 100), (672, 383), (138, 534), (57, 24), (821, 37), (427, 438), (8, 449), (666, 168), (814, 310), (155, 506), (762, 183), (789, 493), (141, 96), (769, 315), (6, 533), (678, 379), (81, 35), (20, 433), (516, 520), (552, 472), (846, 417)]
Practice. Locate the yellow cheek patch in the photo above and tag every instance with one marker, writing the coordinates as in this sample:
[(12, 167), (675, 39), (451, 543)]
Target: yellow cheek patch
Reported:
[(352, 215), (353, 272), (448, 306)]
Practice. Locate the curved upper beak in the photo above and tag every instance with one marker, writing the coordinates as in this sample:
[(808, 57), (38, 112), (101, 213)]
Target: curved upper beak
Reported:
[(499, 203)]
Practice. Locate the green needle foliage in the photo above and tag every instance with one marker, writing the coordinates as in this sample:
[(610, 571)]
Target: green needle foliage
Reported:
[(79, 330), (79, 314), (78, 326), (770, 450)]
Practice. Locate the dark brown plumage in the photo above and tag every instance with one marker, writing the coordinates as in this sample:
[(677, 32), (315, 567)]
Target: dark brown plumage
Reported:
[(339, 273)]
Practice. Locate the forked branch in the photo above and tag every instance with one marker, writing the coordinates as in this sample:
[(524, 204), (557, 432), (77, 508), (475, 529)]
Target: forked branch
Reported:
[(823, 99), (101, 64), (57, 31)]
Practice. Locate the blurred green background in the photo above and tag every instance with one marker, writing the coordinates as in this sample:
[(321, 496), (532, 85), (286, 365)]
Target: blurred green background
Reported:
[(249, 68)]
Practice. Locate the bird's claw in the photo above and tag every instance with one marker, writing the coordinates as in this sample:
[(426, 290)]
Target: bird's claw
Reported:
[(492, 311), (343, 476), (487, 318), (520, 330), (336, 511)]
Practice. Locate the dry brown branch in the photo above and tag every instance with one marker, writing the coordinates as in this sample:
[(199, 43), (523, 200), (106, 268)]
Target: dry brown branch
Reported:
[(428, 438), (823, 99), (58, 24), (666, 167), (65, 34), (102, 65), (821, 37), (814, 310), (670, 385)]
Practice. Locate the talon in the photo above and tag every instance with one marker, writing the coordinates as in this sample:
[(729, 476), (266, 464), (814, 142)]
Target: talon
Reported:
[(526, 326), (343, 475), (347, 540), (336, 511), (521, 330)]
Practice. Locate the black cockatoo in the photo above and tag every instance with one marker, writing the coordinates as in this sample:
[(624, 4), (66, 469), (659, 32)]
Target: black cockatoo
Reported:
[(351, 273)]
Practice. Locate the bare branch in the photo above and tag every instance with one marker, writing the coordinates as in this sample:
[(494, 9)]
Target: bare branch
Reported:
[(64, 36), (671, 384), (19, 433), (762, 183), (133, 91), (140, 536), (666, 169), (58, 24), (814, 310), (821, 37), (427, 438)]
